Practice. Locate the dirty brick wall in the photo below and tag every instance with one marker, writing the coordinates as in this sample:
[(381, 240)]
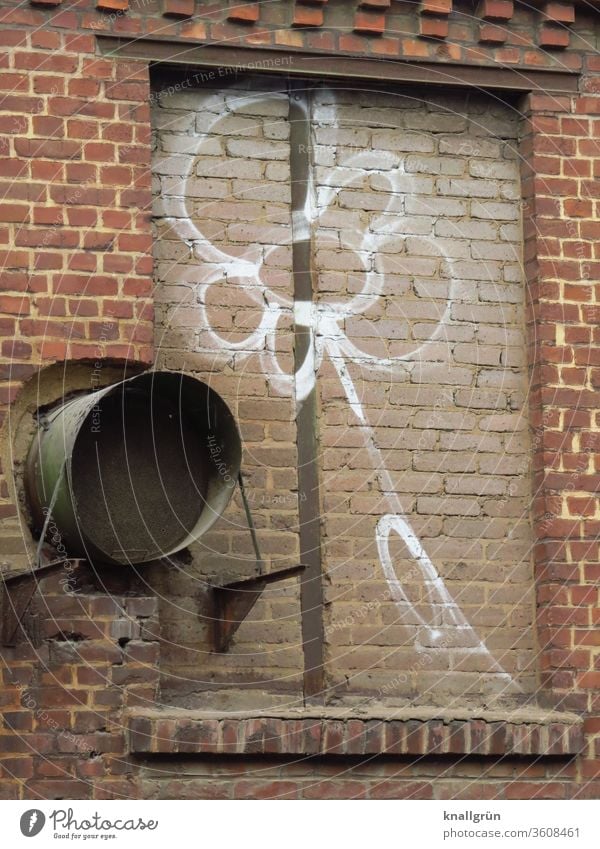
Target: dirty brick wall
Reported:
[(76, 241), (419, 345), (455, 329), (424, 441), (223, 260)]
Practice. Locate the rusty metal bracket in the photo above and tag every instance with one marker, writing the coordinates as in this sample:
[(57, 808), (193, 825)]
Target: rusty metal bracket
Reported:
[(290, 62), (233, 601), (251, 526), (306, 288), (16, 593)]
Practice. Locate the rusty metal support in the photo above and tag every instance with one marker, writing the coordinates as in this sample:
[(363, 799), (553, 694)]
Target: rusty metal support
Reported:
[(259, 560), (232, 602), (309, 507), (304, 63)]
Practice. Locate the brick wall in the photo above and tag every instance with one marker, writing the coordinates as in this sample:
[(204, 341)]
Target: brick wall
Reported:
[(74, 212), (359, 778), (222, 204), (89, 652), (563, 331), (418, 239), (417, 252), (76, 243)]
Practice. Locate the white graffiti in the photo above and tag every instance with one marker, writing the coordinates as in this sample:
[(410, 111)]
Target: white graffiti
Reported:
[(446, 621)]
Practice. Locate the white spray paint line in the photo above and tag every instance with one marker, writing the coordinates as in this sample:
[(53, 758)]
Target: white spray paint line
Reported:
[(244, 271), (327, 336), (439, 595), (339, 348)]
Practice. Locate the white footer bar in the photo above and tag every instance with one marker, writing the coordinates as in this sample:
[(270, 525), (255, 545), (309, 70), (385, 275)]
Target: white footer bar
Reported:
[(296, 825)]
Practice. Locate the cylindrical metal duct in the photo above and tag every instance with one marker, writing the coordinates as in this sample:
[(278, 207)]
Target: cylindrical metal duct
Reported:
[(137, 471)]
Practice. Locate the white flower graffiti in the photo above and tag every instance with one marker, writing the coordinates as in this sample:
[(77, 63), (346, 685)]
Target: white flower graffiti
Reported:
[(326, 318)]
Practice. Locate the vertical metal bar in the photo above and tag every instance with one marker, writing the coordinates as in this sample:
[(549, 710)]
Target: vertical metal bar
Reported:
[(311, 587), (259, 561)]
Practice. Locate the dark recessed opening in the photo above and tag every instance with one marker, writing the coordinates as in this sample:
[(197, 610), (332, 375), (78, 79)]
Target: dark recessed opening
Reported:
[(139, 475)]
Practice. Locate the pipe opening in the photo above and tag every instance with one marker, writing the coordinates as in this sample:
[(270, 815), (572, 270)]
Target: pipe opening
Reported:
[(150, 463)]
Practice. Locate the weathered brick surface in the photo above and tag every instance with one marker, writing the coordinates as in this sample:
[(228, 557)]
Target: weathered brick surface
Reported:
[(361, 778), (158, 733), (418, 231), (75, 240), (560, 231), (85, 655), (78, 283), (419, 217), (226, 153)]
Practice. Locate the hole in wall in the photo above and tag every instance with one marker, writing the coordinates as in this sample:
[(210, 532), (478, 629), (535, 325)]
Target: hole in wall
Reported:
[(50, 387)]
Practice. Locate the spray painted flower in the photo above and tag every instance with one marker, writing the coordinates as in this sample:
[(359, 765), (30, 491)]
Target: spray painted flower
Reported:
[(328, 318)]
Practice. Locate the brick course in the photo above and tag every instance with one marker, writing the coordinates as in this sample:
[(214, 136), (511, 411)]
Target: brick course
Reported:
[(458, 500), (75, 251)]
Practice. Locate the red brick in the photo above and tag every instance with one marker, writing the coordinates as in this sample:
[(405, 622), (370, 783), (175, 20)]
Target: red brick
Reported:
[(21, 104), (244, 12), (430, 27), (77, 129), (82, 307), (369, 23), (99, 152), (78, 43), (118, 132), (13, 281), (73, 284), (46, 62), (307, 17), (435, 7), (104, 69), (84, 88), (68, 106), (560, 12), (115, 175), (48, 126), (553, 37), (46, 39), (578, 208), (13, 37), (112, 5), (387, 47), (135, 91), (13, 212), (49, 148), (491, 34), (496, 10), (14, 305), (14, 82), (35, 237), (50, 306)]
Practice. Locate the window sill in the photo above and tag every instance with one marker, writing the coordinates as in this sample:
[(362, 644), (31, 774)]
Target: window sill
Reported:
[(526, 732)]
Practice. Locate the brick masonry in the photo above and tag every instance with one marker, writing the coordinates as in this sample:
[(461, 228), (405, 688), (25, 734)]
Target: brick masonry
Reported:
[(422, 196), (336, 736), (226, 153), (417, 224), (76, 237), (88, 653)]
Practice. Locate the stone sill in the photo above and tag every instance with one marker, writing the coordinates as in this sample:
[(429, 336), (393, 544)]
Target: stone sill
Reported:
[(528, 731)]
